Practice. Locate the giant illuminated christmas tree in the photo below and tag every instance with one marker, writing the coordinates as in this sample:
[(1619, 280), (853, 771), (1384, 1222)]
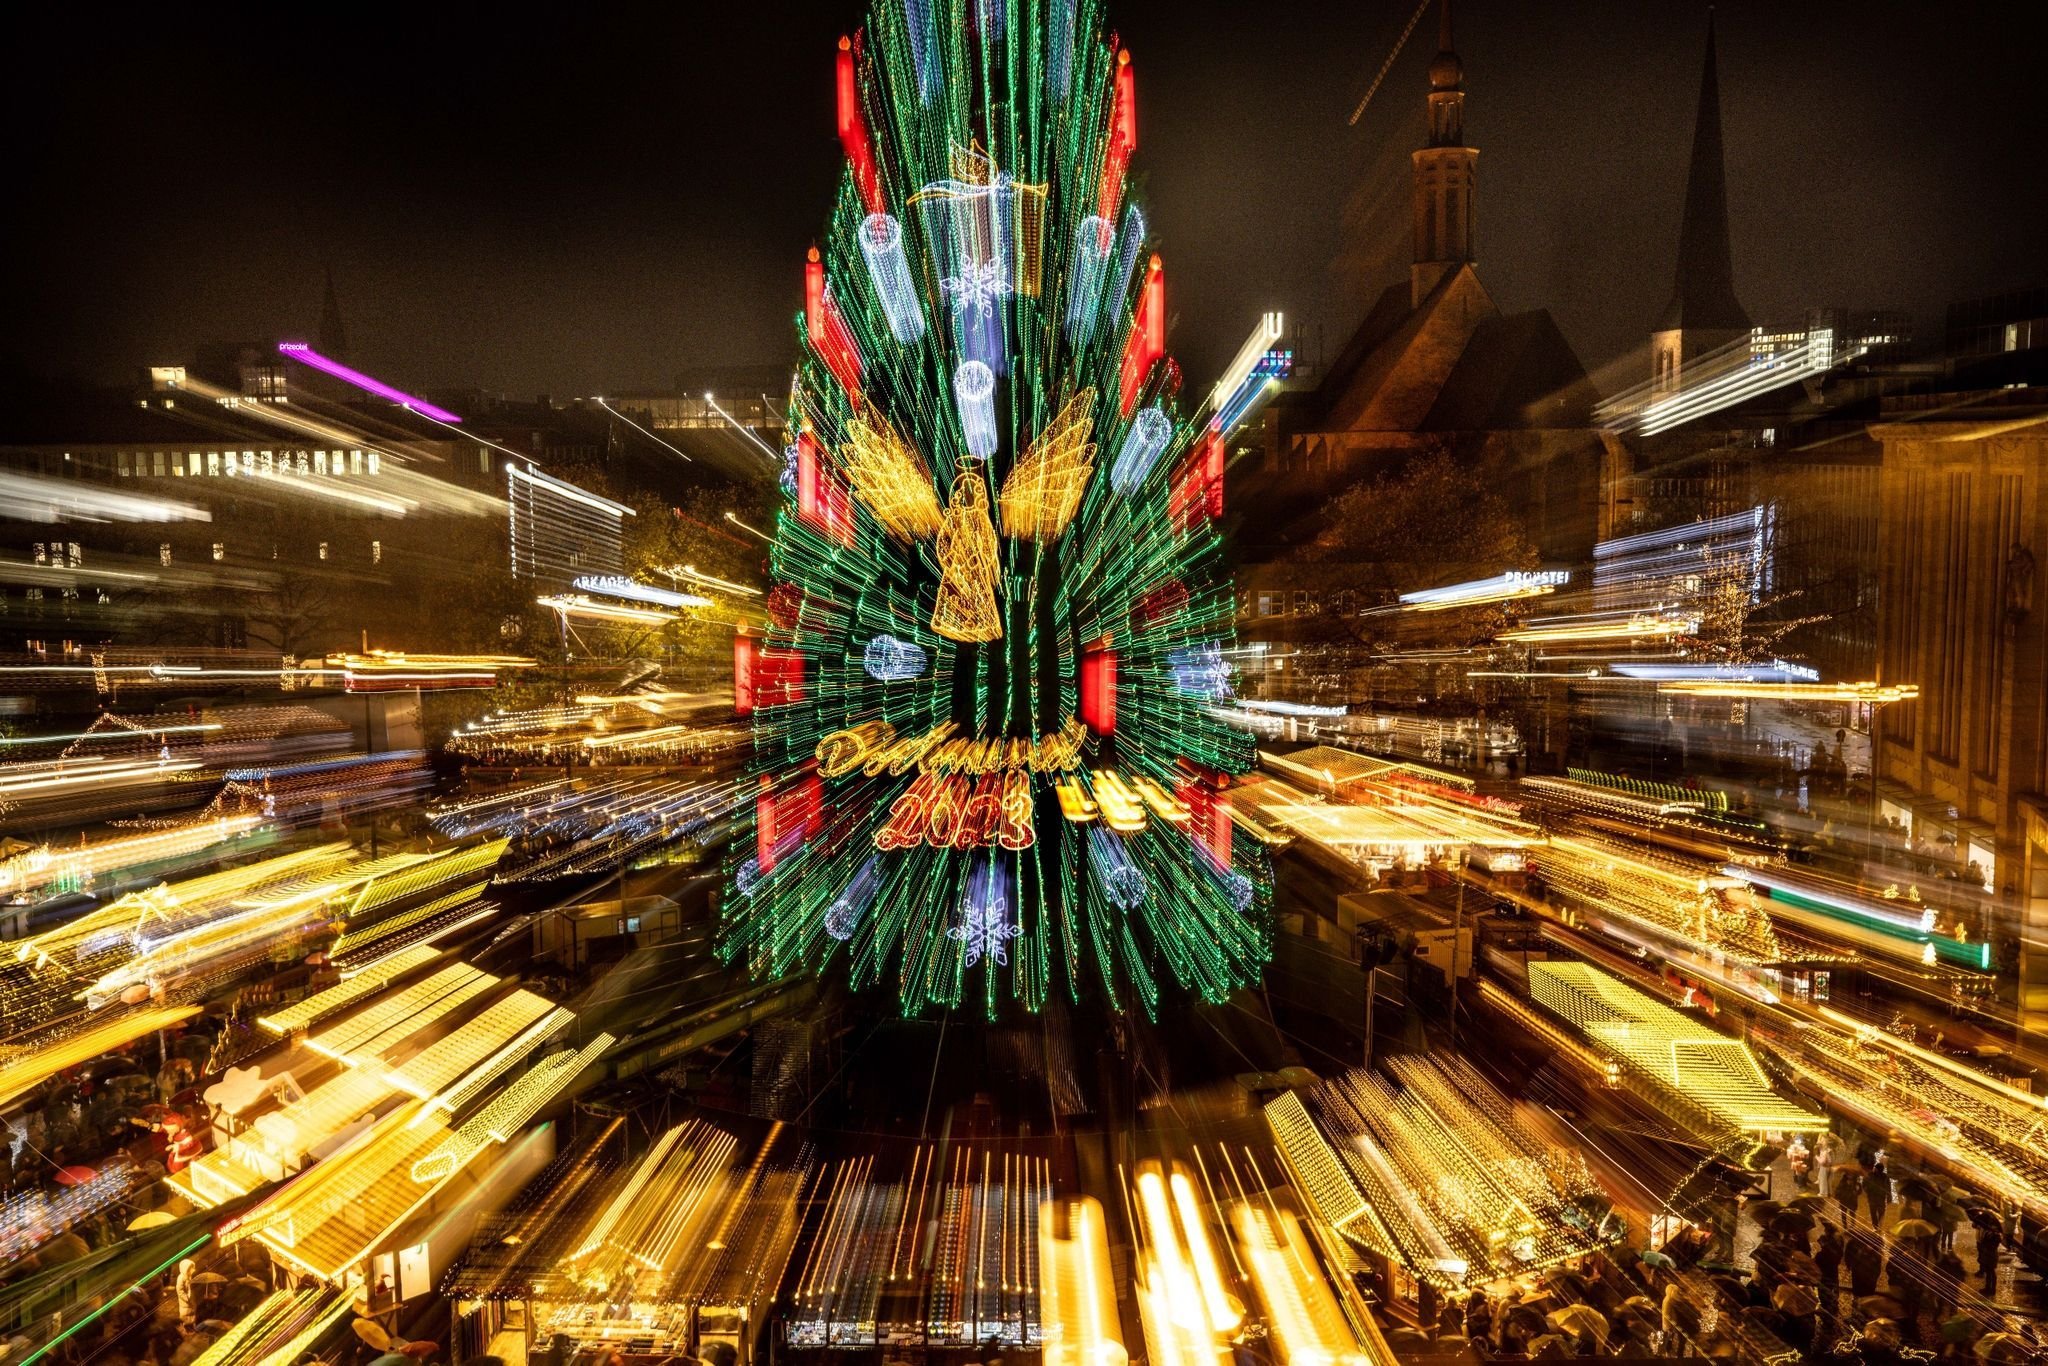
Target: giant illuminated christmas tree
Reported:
[(987, 749)]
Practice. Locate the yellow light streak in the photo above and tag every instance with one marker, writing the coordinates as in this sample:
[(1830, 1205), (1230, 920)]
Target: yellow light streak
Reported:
[(1558, 631), (1873, 694), (1078, 1299), (890, 477), (1044, 490)]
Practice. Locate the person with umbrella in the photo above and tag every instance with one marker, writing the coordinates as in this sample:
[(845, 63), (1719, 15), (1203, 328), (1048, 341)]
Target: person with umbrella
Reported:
[(1877, 1189), (1865, 1259), (1827, 1150), (1990, 1241), (1827, 1256), (1848, 1186)]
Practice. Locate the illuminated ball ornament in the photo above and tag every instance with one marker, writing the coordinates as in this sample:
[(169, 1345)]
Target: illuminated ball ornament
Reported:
[(989, 725)]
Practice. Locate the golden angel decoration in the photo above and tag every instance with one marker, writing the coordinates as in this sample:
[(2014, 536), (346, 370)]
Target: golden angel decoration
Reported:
[(969, 570)]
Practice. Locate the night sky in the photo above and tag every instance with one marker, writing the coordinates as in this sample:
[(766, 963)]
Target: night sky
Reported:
[(598, 197)]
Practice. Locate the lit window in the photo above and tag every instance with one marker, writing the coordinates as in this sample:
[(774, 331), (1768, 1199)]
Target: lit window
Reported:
[(376, 552), (373, 462), (213, 462), (268, 462), (323, 550), (355, 462), (195, 462), (220, 551), (163, 553), (157, 459), (319, 462), (121, 463), (77, 555), (483, 460), (42, 553)]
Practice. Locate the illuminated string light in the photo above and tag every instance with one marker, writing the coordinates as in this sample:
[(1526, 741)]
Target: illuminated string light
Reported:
[(1044, 490), (1151, 432), (974, 389), (1123, 574), (890, 660), (881, 245)]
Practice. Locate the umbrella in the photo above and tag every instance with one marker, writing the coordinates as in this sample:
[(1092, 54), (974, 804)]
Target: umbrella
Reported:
[(209, 1278), (1851, 1169), (373, 1333), (1763, 1209), (1918, 1187), (1796, 1300), (156, 1218), (1961, 1329), (1914, 1228), (74, 1176), (1642, 1302), (1579, 1318), (1802, 1267), (1651, 1257), (1795, 1222), (420, 1350), (1548, 1346), (2003, 1347), (1881, 1307), (1983, 1216)]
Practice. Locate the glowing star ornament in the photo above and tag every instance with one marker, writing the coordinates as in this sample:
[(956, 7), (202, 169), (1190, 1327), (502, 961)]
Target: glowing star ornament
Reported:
[(970, 571), (985, 929), (1044, 490)]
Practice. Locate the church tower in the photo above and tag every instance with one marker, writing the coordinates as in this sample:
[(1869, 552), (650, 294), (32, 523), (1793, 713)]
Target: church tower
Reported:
[(333, 336), (1703, 314), (1445, 175)]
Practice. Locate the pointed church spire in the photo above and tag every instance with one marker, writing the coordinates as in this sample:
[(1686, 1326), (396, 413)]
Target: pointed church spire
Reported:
[(1704, 295), (1445, 174), (1704, 313), (333, 336)]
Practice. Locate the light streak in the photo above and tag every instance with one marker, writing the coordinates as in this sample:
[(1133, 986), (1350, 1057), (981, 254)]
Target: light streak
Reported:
[(567, 490), (1077, 1305), (881, 246), (1634, 626), (1093, 241), (638, 428), (974, 389), (1271, 327), (695, 575), (1507, 587), (55, 501), (1874, 694), (111, 734), (1150, 434), (1776, 671), (744, 429), (306, 355), (620, 587)]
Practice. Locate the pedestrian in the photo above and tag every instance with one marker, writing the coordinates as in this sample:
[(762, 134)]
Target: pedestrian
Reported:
[(1827, 1149), (1827, 1255), (1799, 1158), (1949, 1276), (1990, 1239), (1865, 1260), (1848, 1186), (1877, 1189)]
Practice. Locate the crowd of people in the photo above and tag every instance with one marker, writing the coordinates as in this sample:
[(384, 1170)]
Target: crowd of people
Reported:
[(1859, 1264)]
